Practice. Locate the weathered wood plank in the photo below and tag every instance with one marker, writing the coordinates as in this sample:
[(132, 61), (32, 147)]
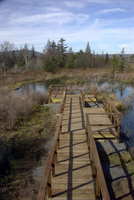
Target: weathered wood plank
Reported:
[(73, 178)]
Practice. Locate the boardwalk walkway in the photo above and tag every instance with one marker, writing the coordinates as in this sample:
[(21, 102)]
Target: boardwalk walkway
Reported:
[(73, 176), (87, 161)]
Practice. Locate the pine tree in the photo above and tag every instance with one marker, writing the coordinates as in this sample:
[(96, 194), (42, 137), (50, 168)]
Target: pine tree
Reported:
[(115, 65), (61, 46), (33, 55), (70, 59), (122, 64), (51, 58), (62, 49), (88, 49), (88, 55), (106, 58)]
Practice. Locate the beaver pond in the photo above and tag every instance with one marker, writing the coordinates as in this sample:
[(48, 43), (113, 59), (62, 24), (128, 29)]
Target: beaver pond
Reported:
[(29, 187), (123, 92)]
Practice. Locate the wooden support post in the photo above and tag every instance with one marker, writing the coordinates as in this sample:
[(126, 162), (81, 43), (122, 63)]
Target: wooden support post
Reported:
[(58, 143), (94, 171), (118, 127), (49, 185), (97, 189), (54, 162)]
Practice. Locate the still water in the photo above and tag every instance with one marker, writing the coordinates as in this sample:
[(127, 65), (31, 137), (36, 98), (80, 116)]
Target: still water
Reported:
[(33, 87), (123, 92)]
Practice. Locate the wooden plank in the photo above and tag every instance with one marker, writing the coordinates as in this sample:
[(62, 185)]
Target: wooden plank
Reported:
[(73, 158)]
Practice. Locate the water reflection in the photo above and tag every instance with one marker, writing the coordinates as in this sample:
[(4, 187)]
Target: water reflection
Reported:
[(124, 93), (32, 87)]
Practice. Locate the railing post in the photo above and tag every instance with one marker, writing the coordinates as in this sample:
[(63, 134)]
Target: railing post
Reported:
[(97, 189), (49, 185), (54, 162)]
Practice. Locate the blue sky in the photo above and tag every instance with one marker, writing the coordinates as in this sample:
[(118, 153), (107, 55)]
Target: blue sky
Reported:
[(107, 24)]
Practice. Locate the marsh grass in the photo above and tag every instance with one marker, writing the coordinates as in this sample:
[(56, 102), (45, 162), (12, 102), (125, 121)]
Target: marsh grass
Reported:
[(14, 109), (22, 152)]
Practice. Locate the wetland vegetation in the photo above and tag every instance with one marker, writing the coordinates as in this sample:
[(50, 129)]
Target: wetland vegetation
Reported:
[(27, 120)]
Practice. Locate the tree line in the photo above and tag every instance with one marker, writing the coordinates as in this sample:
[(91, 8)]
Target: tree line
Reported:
[(55, 55)]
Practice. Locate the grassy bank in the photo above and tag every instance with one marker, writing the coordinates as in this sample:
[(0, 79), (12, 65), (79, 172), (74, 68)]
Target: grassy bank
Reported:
[(69, 76), (15, 80)]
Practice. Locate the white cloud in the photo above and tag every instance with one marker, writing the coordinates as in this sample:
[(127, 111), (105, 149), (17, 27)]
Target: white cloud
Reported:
[(53, 9), (35, 21), (99, 1), (75, 4), (54, 17), (105, 38), (83, 3), (111, 10)]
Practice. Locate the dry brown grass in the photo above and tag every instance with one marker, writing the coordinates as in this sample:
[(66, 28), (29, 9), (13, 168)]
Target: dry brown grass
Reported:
[(10, 79), (40, 75), (16, 108)]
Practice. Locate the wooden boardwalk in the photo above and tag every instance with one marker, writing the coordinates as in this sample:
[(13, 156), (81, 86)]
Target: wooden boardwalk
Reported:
[(87, 161), (113, 165), (73, 175)]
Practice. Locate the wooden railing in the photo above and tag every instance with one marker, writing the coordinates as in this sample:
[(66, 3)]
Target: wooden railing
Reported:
[(114, 115), (57, 89), (111, 111), (101, 188), (63, 101), (45, 190)]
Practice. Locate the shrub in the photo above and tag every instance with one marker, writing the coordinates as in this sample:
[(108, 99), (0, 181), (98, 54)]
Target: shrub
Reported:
[(16, 108)]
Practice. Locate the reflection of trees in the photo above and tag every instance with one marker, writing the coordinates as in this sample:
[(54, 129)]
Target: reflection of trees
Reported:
[(34, 87), (121, 89)]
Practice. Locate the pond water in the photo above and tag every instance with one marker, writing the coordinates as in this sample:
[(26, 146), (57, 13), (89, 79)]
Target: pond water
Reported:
[(33, 87), (125, 93)]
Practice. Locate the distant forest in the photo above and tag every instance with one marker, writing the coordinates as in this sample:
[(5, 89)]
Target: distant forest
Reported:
[(54, 57)]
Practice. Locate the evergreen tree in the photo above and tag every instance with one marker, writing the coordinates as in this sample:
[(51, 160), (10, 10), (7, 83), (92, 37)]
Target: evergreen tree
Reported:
[(62, 49), (33, 55), (50, 59), (115, 65), (122, 64), (20, 59), (93, 60), (106, 58), (88, 56), (70, 59), (81, 60), (88, 49)]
